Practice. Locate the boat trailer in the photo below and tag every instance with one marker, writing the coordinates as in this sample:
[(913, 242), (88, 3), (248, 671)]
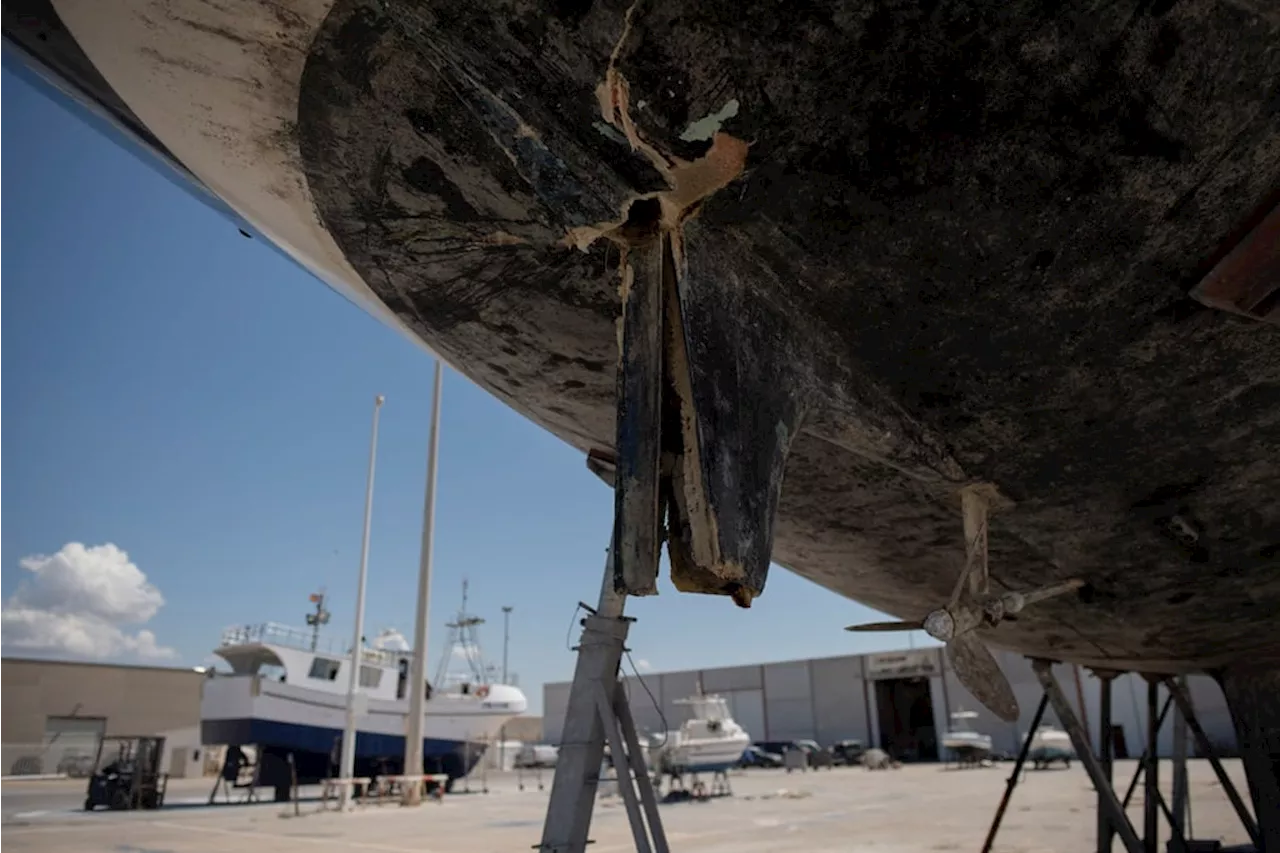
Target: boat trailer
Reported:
[(696, 789)]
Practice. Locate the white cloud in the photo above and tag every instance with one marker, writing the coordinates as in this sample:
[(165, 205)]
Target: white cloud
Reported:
[(79, 602), (643, 665)]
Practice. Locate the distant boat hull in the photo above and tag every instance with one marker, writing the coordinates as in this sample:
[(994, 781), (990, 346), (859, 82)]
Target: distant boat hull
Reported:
[(285, 718), (704, 756), (967, 745), (710, 741), (439, 755), (1050, 745)]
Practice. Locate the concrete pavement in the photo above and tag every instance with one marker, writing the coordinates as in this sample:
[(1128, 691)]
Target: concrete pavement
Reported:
[(916, 808)]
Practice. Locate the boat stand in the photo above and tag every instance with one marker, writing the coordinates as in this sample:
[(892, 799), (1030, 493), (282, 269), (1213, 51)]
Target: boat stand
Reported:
[(233, 765), (598, 712), (521, 772), (697, 790), (1113, 819)]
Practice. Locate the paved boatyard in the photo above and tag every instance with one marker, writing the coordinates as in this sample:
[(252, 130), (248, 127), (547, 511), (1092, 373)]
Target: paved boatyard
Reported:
[(920, 807)]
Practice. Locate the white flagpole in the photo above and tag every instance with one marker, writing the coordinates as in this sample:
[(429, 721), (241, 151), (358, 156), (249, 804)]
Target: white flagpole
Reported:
[(347, 765), (417, 681)]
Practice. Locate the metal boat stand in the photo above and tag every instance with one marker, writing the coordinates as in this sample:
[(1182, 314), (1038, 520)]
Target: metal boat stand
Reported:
[(597, 713), (1113, 819), (696, 788), (521, 772)]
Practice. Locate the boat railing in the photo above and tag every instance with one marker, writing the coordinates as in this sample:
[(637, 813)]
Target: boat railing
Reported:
[(303, 639), (706, 707)]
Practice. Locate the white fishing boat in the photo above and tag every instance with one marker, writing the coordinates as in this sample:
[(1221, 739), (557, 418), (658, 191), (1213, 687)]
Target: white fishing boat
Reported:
[(966, 744), (707, 741), (1048, 744), (287, 695)]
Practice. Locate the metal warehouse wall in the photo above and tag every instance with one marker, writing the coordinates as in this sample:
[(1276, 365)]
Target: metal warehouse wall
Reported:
[(839, 700), (134, 700), (53, 711), (743, 686), (830, 699)]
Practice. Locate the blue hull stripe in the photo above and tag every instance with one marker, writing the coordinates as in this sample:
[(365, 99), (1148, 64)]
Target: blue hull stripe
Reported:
[(321, 740)]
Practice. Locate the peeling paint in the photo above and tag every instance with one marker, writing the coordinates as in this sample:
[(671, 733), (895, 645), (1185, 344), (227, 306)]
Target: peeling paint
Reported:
[(691, 183), (710, 173), (502, 238), (608, 132), (709, 125), (613, 92), (688, 182)]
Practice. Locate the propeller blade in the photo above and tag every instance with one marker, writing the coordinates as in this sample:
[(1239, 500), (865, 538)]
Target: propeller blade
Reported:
[(917, 625), (978, 671)]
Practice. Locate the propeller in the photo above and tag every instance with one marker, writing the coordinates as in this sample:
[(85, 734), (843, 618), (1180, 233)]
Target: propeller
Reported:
[(972, 606)]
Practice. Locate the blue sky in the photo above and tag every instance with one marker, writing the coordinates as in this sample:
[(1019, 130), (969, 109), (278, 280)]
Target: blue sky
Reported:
[(201, 402)]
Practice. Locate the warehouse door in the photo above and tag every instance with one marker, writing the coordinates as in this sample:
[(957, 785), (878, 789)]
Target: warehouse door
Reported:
[(905, 707), (71, 744)]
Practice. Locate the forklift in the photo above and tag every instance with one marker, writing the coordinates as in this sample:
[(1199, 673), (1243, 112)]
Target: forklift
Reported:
[(127, 774)]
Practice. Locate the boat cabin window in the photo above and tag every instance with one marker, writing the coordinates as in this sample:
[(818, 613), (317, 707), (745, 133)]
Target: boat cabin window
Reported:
[(324, 669), (272, 672), (370, 676)]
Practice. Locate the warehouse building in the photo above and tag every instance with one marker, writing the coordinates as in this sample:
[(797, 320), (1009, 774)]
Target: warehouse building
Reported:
[(899, 701), (56, 712)]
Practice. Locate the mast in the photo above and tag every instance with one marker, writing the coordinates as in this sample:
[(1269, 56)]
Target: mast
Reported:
[(318, 618), (462, 633)]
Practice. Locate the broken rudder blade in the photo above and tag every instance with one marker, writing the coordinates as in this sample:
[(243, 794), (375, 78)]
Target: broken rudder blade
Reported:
[(706, 507)]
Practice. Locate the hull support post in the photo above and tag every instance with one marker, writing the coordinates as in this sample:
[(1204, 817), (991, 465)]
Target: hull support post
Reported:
[(597, 714), (1113, 820), (597, 711), (1253, 695), (1014, 776)]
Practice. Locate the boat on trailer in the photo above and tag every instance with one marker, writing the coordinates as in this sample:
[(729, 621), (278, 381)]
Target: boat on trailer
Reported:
[(287, 696), (1050, 744), (963, 742), (708, 741)]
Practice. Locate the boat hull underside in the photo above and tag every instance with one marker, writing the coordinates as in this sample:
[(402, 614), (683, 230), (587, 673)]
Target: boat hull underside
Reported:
[(960, 249)]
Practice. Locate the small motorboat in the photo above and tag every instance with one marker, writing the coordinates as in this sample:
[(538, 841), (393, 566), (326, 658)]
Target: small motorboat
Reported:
[(1050, 744), (709, 741), (966, 745)]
